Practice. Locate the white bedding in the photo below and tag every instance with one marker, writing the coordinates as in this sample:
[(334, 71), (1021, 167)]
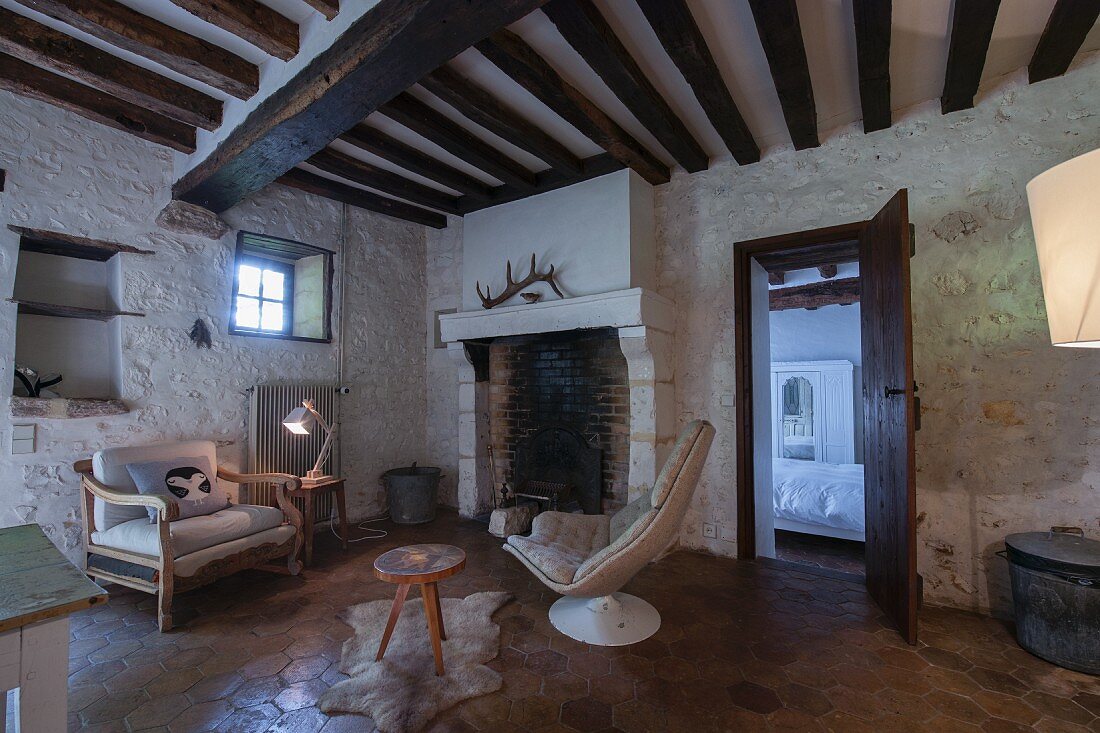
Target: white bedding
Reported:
[(819, 493)]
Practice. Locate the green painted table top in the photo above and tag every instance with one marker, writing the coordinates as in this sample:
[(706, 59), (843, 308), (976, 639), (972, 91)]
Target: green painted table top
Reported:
[(37, 582)]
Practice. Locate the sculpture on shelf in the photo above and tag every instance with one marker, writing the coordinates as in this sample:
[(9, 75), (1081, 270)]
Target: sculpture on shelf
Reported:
[(487, 301), (200, 334), (35, 384)]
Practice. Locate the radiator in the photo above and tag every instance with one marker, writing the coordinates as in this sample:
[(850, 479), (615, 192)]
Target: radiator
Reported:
[(274, 449)]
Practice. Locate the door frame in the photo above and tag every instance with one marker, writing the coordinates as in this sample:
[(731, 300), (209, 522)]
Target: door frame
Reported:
[(813, 243)]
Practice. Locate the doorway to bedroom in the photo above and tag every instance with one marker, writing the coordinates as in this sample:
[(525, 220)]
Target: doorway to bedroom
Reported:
[(816, 441), (827, 406)]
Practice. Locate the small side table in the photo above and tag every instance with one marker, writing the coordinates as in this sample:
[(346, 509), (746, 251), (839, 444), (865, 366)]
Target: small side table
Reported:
[(309, 494), (423, 565), (39, 588)]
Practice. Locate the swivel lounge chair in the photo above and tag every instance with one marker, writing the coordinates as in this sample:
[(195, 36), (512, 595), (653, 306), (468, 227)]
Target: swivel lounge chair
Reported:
[(589, 557)]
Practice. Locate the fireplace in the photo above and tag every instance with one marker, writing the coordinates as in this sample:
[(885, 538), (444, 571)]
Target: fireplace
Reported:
[(599, 365), (553, 395)]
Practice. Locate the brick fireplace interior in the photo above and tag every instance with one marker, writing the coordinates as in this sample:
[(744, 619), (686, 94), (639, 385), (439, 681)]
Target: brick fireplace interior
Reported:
[(572, 379)]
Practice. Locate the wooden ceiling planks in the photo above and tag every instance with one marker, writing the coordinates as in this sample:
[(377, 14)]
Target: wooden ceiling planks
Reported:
[(547, 180), (41, 46), (1065, 32), (28, 80), (678, 33), (971, 30), (514, 57), (480, 106), (781, 36), (365, 174), (456, 140), (251, 21), (130, 30), (590, 35), (327, 8), (327, 188), (872, 24), (379, 143), (382, 53)]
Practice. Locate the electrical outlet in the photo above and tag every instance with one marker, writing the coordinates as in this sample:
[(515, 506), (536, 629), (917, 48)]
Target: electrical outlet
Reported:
[(709, 531)]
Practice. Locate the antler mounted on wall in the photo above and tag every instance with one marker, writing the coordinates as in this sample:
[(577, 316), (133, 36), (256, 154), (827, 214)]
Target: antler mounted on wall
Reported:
[(513, 287)]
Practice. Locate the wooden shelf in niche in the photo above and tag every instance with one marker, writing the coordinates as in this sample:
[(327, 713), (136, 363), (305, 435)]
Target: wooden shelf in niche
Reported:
[(32, 308), (68, 245), (66, 407)]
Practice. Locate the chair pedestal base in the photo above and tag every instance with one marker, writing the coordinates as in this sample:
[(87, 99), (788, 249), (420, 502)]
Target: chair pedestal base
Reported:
[(615, 620)]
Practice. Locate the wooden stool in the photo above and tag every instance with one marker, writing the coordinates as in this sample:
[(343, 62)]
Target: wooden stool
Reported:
[(423, 565)]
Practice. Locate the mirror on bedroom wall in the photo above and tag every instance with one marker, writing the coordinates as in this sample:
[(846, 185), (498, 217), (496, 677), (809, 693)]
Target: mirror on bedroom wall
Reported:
[(798, 419)]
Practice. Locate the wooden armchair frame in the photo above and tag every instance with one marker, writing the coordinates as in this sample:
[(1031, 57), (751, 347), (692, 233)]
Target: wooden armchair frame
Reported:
[(165, 583)]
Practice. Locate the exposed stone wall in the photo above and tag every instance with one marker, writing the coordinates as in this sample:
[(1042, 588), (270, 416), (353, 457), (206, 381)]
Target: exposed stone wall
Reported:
[(444, 287), (65, 173), (1009, 423)]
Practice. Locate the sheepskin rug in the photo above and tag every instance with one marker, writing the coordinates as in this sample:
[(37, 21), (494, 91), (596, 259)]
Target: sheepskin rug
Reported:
[(402, 692)]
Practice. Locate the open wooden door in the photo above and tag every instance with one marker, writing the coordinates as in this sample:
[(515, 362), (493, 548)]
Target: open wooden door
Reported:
[(889, 415)]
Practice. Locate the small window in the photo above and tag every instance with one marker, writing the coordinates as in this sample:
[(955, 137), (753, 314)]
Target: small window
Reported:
[(281, 289)]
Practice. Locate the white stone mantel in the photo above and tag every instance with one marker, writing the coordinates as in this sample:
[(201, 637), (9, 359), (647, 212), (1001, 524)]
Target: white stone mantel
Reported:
[(618, 309)]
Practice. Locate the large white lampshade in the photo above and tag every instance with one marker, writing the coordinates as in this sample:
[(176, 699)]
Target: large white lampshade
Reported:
[(1065, 213)]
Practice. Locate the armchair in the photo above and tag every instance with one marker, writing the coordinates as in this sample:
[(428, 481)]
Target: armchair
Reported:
[(122, 546), (588, 558)]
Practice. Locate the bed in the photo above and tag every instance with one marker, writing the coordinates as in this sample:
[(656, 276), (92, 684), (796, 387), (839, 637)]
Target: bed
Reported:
[(819, 498)]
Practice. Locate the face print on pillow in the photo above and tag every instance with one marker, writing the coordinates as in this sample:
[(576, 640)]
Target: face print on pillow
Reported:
[(182, 481), (190, 482)]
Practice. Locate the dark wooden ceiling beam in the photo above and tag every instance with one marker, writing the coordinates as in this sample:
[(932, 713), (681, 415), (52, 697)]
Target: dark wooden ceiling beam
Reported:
[(449, 135), (776, 277), (28, 80), (365, 174), (872, 22), (836, 252), (815, 295), (827, 271), (382, 53), (781, 36), (1068, 25), (252, 21), (514, 57), (678, 33), (971, 29), (128, 29), (327, 8), (44, 47), (380, 144), (321, 186), (586, 30), (480, 106), (547, 180)]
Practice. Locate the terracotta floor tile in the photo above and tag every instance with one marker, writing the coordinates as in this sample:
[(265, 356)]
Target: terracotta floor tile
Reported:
[(742, 647)]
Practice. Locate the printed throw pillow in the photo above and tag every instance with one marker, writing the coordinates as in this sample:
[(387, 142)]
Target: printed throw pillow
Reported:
[(190, 481)]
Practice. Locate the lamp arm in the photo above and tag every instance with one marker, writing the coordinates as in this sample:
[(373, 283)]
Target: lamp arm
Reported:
[(326, 447)]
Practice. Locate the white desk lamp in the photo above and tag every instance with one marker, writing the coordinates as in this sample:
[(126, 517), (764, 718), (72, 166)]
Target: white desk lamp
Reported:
[(300, 421), (1065, 213)]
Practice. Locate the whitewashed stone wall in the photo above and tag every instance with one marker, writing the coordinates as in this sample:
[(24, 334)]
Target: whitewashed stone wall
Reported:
[(444, 288), (1010, 435), (67, 174)]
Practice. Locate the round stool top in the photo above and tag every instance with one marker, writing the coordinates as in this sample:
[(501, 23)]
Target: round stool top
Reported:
[(419, 563)]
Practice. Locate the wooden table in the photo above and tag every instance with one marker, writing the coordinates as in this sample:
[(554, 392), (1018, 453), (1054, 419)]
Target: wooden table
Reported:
[(39, 588), (309, 493), (424, 565)]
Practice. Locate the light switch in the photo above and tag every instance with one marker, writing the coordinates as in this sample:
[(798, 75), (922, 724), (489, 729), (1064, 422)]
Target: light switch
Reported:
[(22, 439)]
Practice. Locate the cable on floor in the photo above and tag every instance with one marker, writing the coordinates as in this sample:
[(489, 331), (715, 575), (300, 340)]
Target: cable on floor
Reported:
[(377, 534)]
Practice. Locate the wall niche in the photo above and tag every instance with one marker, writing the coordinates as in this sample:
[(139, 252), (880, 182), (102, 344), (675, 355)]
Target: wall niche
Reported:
[(68, 291)]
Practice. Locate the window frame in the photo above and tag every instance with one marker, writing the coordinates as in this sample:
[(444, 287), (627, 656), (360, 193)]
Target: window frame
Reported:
[(265, 263), (276, 251)]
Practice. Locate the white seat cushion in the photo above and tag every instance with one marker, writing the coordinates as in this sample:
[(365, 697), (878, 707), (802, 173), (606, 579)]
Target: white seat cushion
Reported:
[(109, 467), (192, 534)]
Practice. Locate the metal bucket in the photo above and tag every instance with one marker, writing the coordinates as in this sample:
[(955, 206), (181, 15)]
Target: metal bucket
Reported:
[(1056, 595), (412, 493)]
